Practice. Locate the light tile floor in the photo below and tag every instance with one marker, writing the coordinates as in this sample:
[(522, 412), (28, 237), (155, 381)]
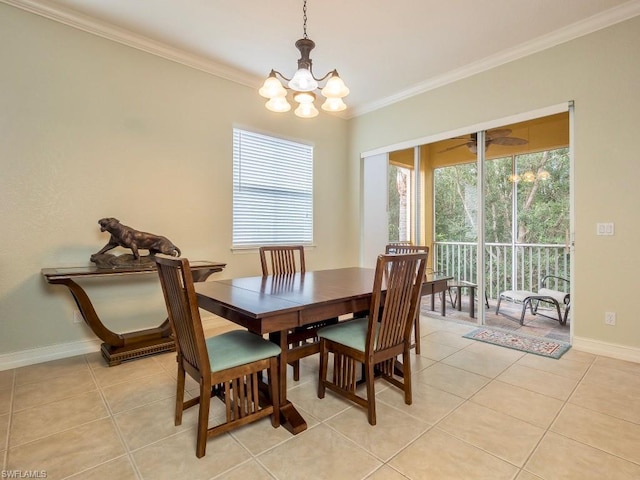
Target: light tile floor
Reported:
[(479, 411)]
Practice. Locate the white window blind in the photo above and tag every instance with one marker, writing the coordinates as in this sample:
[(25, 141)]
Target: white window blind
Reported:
[(272, 191)]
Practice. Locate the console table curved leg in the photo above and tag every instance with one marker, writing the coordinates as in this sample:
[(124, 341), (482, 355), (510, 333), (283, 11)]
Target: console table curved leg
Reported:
[(118, 347)]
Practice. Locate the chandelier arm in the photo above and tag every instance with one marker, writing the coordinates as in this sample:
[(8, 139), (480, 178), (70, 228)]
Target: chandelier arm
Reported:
[(323, 78), (281, 76), (317, 79)]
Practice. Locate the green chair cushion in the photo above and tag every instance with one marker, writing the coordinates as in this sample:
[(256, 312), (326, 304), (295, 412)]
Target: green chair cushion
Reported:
[(352, 333), (238, 347)]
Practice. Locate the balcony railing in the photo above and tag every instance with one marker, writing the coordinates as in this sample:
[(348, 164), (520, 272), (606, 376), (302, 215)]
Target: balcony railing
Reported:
[(532, 263)]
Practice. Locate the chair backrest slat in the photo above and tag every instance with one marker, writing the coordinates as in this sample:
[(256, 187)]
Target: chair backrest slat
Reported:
[(395, 299), (399, 248), (182, 307), (282, 259)]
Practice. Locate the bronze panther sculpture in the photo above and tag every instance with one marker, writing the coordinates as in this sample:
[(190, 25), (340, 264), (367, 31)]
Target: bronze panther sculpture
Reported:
[(127, 237)]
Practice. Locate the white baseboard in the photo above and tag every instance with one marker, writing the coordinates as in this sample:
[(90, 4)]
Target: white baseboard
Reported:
[(621, 352), (71, 349), (45, 354)]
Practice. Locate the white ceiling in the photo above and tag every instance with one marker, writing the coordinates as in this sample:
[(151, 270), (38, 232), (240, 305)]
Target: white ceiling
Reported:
[(384, 50)]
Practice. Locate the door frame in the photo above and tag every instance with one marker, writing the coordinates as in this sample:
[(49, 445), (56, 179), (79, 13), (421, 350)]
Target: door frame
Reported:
[(480, 128)]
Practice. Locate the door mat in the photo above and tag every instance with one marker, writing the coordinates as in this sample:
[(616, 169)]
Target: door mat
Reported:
[(518, 341)]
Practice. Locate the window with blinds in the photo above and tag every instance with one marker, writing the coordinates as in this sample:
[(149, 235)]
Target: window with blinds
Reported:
[(272, 191)]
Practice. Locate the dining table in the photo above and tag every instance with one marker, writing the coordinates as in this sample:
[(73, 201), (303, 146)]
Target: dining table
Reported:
[(274, 304)]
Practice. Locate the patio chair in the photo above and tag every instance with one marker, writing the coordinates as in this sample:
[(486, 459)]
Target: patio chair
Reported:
[(557, 299), (407, 247), (284, 261), (376, 341), (228, 365)]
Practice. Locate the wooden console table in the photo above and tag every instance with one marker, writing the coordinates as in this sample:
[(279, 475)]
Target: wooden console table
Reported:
[(118, 347)]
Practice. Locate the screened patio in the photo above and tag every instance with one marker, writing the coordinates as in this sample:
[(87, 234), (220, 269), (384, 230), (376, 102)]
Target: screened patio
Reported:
[(434, 200)]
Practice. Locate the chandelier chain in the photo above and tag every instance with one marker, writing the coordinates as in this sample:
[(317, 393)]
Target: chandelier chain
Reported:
[(304, 18)]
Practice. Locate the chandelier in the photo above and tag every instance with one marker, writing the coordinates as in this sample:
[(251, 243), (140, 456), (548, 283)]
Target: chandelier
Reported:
[(303, 84)]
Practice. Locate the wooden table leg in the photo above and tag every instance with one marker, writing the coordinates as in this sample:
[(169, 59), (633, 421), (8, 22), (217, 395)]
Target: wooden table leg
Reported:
[(441, 288), (290, 418)]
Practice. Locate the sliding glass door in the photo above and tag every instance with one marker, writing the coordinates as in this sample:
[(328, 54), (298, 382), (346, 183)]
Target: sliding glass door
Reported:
[(493, 206), (525, 207)]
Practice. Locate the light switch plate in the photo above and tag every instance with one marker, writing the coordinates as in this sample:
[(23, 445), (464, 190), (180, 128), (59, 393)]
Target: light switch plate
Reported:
[(604, 229)]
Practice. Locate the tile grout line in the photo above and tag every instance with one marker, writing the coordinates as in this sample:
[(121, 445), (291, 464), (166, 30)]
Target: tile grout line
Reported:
[(111, 416), (470, 399), (555, 417), (437, 423), (383, 463), (5, 461), (567, 402), (466, 400)]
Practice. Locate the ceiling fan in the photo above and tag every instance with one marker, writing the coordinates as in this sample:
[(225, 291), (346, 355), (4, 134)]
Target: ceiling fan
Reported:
[(498, 137)]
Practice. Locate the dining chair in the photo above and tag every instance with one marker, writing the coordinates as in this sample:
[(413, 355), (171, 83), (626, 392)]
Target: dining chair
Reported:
[(228, 365), (376, 341), (282, 261), (400, 243), (407, 247)]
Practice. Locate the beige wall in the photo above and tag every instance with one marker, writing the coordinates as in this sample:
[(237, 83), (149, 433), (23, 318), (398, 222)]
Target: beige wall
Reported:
[(91, 128), (601, 73)]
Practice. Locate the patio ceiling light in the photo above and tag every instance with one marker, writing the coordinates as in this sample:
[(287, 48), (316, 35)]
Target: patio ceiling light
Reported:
[(529, 176)]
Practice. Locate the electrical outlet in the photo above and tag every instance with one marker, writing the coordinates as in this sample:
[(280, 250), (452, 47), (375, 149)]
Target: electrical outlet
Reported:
[(610, 318), (77, 317)]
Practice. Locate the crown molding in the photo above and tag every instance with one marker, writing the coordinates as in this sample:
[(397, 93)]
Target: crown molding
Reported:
[(125, 37), (584, 27), (85, 23)]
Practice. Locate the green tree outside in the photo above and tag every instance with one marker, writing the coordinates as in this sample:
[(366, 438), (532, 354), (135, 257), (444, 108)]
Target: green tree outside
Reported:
[(542, 204), (541, 217)]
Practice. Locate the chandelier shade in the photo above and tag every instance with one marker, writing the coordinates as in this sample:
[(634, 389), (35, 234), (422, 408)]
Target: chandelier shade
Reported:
[(303, 85), (272, 87), (306, 110), (304, 97), (303, 81), (335, 87), (278, 105), (334, 105)]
